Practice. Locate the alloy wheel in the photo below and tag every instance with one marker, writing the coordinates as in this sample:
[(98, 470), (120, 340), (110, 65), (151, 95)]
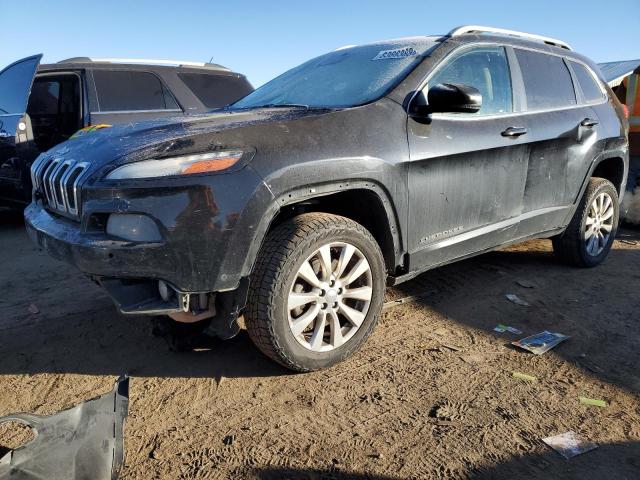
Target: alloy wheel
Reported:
[(330, 297), (599, 224)]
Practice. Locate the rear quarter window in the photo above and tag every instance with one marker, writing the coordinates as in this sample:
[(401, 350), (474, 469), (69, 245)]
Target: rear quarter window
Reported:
[(590, 89), (216, 91), (121, 90), (547, 80)]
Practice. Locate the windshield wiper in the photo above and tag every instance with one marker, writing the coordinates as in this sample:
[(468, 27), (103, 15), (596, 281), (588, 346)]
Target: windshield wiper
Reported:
[(284, 105), (270, 105)]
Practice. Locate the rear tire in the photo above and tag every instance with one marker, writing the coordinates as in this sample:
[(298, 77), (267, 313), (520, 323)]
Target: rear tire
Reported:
[(588, 238), (316, 291)]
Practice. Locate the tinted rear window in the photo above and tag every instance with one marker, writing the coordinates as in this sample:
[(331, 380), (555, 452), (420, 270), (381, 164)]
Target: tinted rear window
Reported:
[(547, 80), (216, 91), (129, 90), (590, 89)]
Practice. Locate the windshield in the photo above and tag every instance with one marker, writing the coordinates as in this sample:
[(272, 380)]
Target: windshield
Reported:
[(343, 78)]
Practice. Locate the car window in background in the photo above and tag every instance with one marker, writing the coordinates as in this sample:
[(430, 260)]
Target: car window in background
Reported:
[(216, 91), (44, 97), (588, 85), (15, 82), (486, 69), (547, 80), (128, 90), (343, 78)]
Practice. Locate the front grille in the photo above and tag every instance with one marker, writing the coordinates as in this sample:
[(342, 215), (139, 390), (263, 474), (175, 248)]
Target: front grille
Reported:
[(57, 180)]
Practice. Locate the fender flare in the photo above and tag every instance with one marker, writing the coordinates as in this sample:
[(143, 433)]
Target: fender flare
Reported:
[(597, 160), (313, 191)]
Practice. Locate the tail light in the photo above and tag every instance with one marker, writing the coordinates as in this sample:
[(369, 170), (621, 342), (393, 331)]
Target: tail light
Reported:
[(625, 109)]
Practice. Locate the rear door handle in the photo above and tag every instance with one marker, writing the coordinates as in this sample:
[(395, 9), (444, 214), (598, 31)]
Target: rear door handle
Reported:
[(588, 122), (514, 132)]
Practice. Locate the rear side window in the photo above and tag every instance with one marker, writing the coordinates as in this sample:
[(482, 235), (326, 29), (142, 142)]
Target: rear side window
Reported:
[(487, 70), (547, 80), (588, 85), (216, 91), (120, 90)]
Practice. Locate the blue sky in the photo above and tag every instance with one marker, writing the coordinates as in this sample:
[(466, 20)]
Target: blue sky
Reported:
[(264, 38)]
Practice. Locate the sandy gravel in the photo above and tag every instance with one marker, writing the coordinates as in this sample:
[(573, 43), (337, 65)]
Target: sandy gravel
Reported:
[(431, 395)]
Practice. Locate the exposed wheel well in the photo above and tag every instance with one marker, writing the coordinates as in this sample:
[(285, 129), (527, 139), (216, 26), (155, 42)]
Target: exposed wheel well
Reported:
[(613, 170), (360, 205)]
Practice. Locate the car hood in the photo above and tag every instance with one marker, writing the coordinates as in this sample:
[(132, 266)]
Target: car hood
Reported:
[(172, 136)]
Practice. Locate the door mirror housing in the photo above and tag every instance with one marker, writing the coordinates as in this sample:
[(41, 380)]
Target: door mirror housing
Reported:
[(447, 98)]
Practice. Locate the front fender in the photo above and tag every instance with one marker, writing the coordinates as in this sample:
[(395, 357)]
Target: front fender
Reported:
[(314, 191)]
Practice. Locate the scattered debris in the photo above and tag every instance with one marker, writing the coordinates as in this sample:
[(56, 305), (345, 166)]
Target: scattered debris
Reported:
[(451, 347), (540, 342), (33, 308), (506, 328), (569, 444), (592, 401), (376, 455), (629, 242), (591, 366), (229, 439), (406, 300), (525, 284), (524, 376), (512, 297), (85, 441)]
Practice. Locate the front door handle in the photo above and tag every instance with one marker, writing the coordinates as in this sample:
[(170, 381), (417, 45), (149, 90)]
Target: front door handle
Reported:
[(588, 122), (514, 132)]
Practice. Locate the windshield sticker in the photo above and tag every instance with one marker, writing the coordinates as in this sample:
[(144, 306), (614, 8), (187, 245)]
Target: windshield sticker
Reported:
[(396, 53)]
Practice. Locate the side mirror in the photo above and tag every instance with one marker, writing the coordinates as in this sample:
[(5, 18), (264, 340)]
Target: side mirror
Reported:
[(447, 97)]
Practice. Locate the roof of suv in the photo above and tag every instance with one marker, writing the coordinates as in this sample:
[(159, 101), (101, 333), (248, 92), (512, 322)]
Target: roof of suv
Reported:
[(138, 64)]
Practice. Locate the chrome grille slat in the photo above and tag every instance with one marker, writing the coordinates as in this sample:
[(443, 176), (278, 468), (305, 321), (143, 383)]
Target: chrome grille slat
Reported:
[(58, 180)]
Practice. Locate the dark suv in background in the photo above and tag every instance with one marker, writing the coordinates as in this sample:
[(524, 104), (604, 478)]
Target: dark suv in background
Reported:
[(44, 105), (367, 165)]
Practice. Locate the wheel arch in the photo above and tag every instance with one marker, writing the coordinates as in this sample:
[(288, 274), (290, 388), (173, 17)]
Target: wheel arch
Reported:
[(613, 164), (365, 202), (611, 167)]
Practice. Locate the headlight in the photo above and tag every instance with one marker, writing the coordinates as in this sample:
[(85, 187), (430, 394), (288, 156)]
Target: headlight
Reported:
[(185, 165)]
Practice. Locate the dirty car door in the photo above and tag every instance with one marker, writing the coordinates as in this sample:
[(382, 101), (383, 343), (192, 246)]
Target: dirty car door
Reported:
[(563, 140), (16, 138), (467, 173)]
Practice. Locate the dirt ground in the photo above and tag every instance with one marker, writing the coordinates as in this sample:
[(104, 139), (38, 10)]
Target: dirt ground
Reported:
[(430, 395)]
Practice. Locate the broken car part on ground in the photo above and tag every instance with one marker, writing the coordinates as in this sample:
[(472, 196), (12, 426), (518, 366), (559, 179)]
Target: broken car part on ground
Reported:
[(84, 442)]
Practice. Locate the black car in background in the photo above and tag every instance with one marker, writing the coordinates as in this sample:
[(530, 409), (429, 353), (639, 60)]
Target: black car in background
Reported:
[(44, 105), (364, 166)]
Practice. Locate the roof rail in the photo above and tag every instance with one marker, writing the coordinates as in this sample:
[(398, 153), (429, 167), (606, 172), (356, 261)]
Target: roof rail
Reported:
[(501, 31), (145, 61)]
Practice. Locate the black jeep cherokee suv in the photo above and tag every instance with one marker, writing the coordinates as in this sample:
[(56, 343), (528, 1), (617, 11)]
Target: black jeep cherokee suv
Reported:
[(364, 166)]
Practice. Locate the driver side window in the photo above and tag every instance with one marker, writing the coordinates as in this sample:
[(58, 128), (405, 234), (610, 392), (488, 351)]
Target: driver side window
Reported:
[(486, 69)]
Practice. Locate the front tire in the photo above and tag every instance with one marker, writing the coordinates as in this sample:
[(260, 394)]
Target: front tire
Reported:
[(316, 292), (589, 237)]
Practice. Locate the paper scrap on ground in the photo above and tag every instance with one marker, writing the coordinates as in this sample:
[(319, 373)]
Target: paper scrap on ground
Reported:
[(592, 401), (512, 297), (540, 342), (524, 376), (506, 328), (569, 444)]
